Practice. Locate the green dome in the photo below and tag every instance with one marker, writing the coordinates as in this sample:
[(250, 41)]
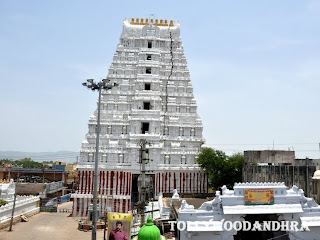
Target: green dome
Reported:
[(149, 231)]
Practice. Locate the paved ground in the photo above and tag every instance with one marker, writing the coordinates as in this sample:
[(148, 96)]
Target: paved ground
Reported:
[(49, 226)]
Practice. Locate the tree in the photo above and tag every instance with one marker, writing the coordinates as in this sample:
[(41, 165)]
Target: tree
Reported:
[(24, 163), (221, 169), (28, 163), (234, 169)]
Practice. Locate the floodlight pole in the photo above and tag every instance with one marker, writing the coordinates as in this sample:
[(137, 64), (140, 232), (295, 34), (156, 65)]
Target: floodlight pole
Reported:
[(95, 184), (104, 84), (142, 194)]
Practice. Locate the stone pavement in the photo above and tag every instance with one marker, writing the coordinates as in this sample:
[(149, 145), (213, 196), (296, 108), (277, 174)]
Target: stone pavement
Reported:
[(49, 226)]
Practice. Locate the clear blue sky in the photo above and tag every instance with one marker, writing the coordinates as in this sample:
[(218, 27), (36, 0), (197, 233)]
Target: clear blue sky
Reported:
[(255, 69)]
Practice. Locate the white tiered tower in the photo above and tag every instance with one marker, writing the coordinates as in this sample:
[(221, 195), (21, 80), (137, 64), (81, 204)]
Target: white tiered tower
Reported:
[(154, 102)]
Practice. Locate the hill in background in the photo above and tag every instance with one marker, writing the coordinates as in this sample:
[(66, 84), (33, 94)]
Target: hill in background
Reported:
[(63, 156)]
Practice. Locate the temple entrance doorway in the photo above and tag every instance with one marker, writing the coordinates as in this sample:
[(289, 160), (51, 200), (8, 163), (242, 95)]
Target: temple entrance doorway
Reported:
[(261, 235), (136, 188), (135, 191)]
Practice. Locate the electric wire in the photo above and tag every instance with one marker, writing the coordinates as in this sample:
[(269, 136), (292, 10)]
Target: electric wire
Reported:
[(278, 236), (47, 156)]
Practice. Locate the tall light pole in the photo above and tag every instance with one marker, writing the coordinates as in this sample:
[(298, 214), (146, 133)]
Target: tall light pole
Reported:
[(106, 85)]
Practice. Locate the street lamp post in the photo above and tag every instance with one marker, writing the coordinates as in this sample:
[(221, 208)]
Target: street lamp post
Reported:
[(12, 213), (106, 85)]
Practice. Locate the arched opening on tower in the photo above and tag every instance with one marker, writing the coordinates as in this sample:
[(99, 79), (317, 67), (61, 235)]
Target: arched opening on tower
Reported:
[(135, 191)]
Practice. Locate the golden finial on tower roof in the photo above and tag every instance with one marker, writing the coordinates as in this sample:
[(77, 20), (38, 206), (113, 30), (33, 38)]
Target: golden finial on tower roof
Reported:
[(156, 22)]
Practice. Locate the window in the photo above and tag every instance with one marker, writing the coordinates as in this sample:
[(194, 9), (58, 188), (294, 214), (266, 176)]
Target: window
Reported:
[(148, 70), (149, 57), (147, 86), (146, 105), (181, 132), (183, 159), (121, 158), (145, 128), (149, 44), (166, 159)]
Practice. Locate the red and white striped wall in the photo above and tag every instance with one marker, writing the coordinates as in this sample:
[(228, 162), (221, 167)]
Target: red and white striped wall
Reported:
[(114, 188), (81, 204), (184, 182), (110, 182)]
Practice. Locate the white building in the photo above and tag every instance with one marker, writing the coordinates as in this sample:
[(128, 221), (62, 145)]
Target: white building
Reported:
[(7, 189), (25, 205), (154, 101), (224, 216)]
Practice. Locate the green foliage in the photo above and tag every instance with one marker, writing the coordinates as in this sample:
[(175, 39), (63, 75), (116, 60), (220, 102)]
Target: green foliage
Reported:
[(234, 168), (23, 163), (6, 161), (47, 162), (28, 163), (221, 169), (3, 202)]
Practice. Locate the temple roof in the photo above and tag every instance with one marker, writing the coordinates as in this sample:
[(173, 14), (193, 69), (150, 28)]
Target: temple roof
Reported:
[(155, 22)]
